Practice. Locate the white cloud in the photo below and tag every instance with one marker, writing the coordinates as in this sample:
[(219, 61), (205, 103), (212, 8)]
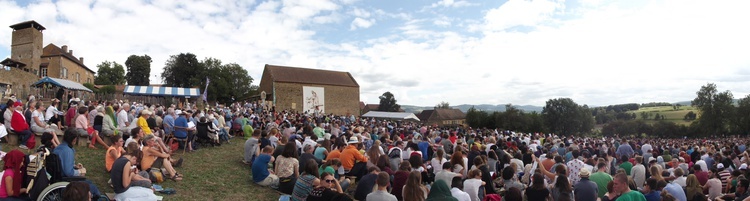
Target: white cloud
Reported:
[(451, 3), (597, 54), (361, 23)]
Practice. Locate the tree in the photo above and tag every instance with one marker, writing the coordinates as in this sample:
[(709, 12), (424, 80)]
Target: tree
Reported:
[(716, 109), (742, 121), (690, 116), (564, 116), (184, 70), (139, 70), (109, 73), (388, 103), (443, 105)]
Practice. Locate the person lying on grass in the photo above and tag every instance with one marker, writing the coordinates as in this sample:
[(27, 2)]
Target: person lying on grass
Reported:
[(155, 157)]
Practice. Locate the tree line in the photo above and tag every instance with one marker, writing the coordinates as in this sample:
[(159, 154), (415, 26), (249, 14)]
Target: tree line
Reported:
[(719, 115), (228, 81)]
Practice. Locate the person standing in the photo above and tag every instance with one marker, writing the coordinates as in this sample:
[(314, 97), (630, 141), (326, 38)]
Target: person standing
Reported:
[(601, 178), (638, 172), (621, 185), (585, 189)]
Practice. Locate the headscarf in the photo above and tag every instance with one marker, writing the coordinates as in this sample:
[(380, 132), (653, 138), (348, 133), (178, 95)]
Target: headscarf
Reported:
[(440, 192), (13, 162), (111, 114)]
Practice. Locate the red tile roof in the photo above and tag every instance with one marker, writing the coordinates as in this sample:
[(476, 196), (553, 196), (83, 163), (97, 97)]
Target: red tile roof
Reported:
[(310, 76), (52, 50)]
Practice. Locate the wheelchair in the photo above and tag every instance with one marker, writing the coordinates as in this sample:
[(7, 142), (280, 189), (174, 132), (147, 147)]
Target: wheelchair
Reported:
[(44, 176)]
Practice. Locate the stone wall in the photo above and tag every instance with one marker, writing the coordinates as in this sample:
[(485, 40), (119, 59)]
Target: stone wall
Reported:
[(26, 47), (338, 100), (19, 79), (54, 69)]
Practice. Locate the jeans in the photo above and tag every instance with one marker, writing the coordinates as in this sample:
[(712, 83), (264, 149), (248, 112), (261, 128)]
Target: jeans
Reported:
[(23, 136), (223, 135)]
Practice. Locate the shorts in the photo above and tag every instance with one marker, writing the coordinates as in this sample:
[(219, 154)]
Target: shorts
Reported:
[(158, 163)]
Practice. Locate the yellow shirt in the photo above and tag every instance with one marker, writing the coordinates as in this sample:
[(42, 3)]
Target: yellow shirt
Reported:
[(144, 125)]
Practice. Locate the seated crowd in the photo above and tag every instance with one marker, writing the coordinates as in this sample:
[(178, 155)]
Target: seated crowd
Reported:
[(139, 147), (317, 157)]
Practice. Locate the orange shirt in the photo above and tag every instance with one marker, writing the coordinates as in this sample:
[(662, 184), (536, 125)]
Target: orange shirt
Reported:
[(147, 159), (334, 154), (351, 155), (108, 160)]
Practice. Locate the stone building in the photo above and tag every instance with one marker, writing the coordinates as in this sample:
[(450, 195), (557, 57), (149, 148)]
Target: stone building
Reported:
[(29, 62), (443, 117), (310, 90)]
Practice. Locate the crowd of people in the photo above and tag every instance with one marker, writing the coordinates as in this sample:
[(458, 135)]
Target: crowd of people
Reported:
[(315, 156), (141, 140), (318, 157)]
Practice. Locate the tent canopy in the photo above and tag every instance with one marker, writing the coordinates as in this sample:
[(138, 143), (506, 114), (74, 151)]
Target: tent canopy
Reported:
[(67, 84), (391, 115), (161, 91)]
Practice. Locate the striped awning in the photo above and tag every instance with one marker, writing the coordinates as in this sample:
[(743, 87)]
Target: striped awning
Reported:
[(161, 91), (67, 84)]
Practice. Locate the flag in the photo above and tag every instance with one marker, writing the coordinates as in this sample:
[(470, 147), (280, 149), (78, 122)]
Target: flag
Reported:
[(205, 91)]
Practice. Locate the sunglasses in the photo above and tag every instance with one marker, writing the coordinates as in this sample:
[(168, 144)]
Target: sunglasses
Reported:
[(330, 180)]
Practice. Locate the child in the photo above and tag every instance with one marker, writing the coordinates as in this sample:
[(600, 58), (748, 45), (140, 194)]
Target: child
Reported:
[(260, 169)]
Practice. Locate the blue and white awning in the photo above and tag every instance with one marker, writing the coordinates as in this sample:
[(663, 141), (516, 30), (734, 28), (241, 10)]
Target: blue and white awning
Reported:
[(161, 91)]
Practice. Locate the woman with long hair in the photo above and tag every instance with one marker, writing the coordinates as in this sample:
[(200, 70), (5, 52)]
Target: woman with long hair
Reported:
[(457, 162), (10, 187), (384, 164), (372, 156), (538, 190), (306, 182), (400, 178), (437, 161), (287, 167), (414, 190), (329, 190), (655, 172), (693, 190), (561, 189)]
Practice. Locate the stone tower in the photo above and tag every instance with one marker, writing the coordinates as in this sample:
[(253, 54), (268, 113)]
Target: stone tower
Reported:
[(26, 45)]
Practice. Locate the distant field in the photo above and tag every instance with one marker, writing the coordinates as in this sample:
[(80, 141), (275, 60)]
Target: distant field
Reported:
[(669, 113)]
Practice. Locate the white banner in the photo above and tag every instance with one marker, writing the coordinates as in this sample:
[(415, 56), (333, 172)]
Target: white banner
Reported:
[(313, 100)]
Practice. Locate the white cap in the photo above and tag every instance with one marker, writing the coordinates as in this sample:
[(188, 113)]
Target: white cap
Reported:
[(719, 166), (743, 166)]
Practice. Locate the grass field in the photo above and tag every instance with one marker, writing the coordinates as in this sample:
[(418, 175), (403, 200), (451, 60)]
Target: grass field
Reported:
[(669, 113), (212, 173)]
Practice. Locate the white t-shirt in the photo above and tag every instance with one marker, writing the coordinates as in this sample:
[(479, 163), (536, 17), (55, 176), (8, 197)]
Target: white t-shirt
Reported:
[(37, 113), (51, 110), (460, 195), (471, 186), (122, 118), (437, 166)]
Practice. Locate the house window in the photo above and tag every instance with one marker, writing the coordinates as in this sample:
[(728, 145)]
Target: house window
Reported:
[(88, 80), (78, 77), (43, 72), (64, 73)]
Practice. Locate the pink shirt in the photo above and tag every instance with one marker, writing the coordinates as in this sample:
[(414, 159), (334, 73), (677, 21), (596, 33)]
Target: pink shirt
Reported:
[(8, 173), (82, 122)]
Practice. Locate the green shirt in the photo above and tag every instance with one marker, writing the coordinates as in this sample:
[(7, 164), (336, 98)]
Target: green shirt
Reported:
[(248, 131), (632, 196), (328, 169), (601, 179), (627, 166), (319, 132)]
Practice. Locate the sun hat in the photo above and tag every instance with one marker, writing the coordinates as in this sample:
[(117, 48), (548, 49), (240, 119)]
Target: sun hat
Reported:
[(353, 140), (146, 112), (584, 172), (743, 166)]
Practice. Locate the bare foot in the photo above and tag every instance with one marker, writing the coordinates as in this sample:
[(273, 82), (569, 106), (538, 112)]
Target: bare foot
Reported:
[(92, 147)]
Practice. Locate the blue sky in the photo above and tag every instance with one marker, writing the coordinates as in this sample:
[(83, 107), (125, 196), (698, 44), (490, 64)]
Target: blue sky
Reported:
[(427, 51)]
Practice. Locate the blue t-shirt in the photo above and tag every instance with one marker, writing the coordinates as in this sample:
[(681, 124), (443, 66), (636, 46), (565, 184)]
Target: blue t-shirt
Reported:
[(423, 148), (260, 167), (653, 196), (180, 132), (319, 153)]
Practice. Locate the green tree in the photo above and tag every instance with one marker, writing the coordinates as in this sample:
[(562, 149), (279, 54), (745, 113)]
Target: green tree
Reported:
[(388, 103), (139, 70), (184, 70), (226, 81), (566, 117), (109, 73), (716, 109), (443, 105), (742, 122)]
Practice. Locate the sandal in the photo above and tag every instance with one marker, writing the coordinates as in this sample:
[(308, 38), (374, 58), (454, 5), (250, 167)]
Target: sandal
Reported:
[(177, 177)]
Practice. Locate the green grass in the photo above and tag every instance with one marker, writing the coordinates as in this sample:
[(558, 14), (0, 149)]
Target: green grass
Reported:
[(212, 173), (669, 113)]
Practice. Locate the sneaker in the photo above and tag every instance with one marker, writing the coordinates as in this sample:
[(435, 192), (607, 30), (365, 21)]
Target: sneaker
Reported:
[(23, 147)]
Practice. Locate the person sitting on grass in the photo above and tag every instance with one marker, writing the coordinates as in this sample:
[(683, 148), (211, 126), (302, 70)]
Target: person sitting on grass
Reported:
[(261, 174), (67, 160), (366, 184), (124, 175), (328, 190), (114, 152), (383, 181), (306, 182), (252, 148), (77, 191), (13, 177), (155, 157)]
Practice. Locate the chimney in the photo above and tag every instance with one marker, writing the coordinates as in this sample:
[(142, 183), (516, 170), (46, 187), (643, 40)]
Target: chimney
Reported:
[(65, 48), (70, 52), (80, 59)]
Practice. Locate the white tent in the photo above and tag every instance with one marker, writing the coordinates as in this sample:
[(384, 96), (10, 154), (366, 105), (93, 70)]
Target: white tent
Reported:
[(391, 115)]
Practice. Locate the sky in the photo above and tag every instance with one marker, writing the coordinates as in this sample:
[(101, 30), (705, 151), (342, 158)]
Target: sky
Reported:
[(523, 52)]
